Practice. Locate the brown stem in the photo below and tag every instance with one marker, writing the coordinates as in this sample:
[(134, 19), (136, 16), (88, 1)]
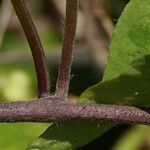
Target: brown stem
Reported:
[(67, 49), (52, 109), (5, 15), (35, 45), (96, 35)]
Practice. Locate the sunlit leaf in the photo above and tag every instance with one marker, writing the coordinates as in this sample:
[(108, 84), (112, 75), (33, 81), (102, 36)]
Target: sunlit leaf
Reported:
[(18, 86), (16, 136)]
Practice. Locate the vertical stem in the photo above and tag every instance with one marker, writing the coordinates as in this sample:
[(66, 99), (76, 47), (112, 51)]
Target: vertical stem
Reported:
[(5, 15), (67, 49), (35, 45)]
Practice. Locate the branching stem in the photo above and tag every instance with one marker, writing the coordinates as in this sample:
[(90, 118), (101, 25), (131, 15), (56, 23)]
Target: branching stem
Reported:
[(54, 108)]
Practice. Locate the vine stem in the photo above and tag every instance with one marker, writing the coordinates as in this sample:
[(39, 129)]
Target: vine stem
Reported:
[(52, 109), (67, 49), (35, 45)]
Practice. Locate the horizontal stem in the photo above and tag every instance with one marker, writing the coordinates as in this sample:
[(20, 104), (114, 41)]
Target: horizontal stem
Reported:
[(52, 109)]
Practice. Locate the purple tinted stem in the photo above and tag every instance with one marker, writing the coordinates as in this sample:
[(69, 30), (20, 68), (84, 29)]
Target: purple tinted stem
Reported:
[(67, 49), (35, 45), (52, 109)]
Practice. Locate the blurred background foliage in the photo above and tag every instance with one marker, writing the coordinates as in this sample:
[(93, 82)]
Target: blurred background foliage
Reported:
[(96, 22)]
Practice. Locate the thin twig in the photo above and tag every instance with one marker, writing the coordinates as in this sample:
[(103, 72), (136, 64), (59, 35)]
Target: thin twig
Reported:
[(103, 20), (35, 45), (67, 49), (52, 109), (5, 14), (96, 34)]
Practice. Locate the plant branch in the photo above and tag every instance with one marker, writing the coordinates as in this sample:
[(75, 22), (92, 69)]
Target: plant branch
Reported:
[(52, 109), (35, 45), (67, 49)]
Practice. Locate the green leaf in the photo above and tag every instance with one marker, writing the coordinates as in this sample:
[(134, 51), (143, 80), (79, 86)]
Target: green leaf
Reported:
[(69, 135), (126, 80), (16, 136), (127, 76), (134, 139)]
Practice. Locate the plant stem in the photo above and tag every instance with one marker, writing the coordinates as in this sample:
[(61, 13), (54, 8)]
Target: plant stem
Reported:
[(52, 109), (67, 49), (5, 15), (35, 45)]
